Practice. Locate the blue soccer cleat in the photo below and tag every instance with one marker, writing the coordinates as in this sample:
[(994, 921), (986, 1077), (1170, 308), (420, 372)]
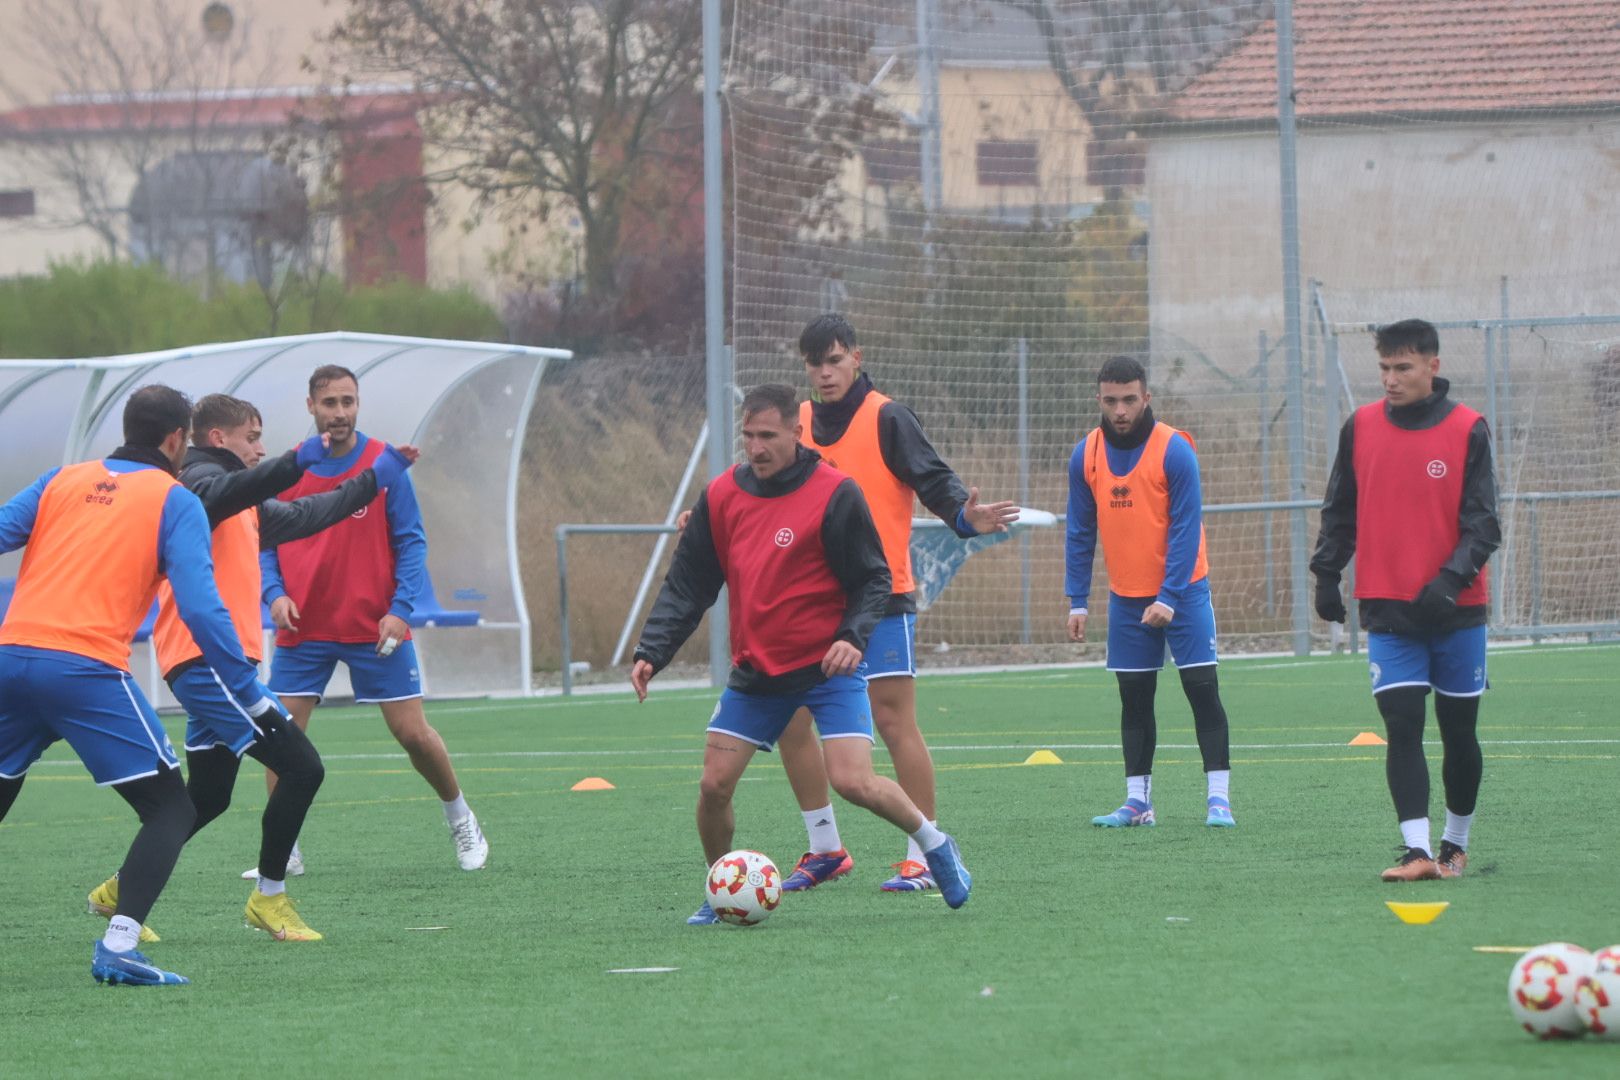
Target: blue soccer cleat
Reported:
[(953, 879), (1220, 814), (129, 969), (1134, 812), (816, 868), (703, 916)]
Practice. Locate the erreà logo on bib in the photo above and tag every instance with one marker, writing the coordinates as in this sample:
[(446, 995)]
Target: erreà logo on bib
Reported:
[(784, 537)]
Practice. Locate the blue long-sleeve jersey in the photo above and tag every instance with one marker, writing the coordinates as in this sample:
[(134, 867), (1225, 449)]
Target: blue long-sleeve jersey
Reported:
[(1186, 518), (185, 557)]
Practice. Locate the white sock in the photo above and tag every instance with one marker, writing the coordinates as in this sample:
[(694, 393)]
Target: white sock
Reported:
[(928, 837), (123, 934), (457, 810), (1139, 788), (1220, 783), (1457, 826), (822, 827), (271, 888), (1415, 833), (914, 851)]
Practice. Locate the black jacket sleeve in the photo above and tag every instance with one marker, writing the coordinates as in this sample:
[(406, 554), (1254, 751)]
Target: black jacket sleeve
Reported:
[(1336, 542), (690, 588), (911, 457), (1479, 529), (280, 522), (855, 556), (225, 494)]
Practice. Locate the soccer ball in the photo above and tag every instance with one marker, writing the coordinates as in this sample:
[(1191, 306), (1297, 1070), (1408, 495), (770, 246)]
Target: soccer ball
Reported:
[(1607, 959), (1541, 990), (1597, 1003), (743, 887)]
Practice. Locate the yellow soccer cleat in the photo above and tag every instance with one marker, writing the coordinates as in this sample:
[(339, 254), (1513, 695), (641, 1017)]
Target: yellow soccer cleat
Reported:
[(277, 916), (103, 901)]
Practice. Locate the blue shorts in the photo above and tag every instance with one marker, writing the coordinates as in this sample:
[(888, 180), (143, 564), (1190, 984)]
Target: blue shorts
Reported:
[(838, 706), (892, 649), (303, 670), (212, 717), (47, 695), (1190, 635), (1452, 664)]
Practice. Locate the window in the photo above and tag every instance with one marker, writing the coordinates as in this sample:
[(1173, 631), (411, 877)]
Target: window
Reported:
[(893, 161), (1009, 163), (1112, 163), (18, 203)]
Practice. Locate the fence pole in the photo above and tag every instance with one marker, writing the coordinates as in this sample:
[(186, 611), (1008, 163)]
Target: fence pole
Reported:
[(1265, 472), (1289, 176), (718, 359), (1026, 568), (1497, 599), (562, 610)]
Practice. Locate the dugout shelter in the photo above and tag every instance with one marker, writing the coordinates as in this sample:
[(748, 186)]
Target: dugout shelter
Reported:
[(465, 403)]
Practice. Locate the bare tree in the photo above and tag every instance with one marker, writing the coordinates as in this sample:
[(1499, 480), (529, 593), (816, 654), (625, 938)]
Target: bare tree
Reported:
[(545, 105)]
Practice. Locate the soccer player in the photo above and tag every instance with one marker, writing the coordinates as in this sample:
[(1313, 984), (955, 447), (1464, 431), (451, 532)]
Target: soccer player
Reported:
[(345, 594), (100, 535), (1412, 497), (880, 444), (1133, 485), (223, 469), (793, 541)]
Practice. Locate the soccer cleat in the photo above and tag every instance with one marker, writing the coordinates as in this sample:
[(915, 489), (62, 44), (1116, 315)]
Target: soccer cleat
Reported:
[(472, 850), (945, 864), (817, 868), (129, 969), (1134, 812), (103, 901), (1220, 814), (1452, 860), (703, 916), (278, 916), (295, 866), (913, 877), (1415, 865)]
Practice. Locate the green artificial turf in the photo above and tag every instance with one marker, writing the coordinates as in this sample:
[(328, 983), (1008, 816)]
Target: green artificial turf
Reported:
[(1175, 951)]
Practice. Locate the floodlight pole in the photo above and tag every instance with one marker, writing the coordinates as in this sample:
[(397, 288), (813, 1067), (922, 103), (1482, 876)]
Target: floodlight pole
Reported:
[(1288, 168), (718, 365)]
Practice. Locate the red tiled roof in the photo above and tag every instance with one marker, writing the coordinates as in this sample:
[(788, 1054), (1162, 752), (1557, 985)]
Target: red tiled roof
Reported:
[(1420, 56), (252, 113)]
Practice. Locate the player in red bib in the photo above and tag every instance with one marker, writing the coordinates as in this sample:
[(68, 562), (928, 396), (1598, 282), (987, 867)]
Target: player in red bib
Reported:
[(345, 595), (1412, 497), (793, 542)]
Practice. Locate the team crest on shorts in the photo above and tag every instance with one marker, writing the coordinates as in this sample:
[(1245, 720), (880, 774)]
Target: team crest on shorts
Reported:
[(1376, 671)]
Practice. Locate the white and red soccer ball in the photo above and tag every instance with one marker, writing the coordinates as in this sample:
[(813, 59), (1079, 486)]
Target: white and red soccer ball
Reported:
[(743, 887), (1541, 990)]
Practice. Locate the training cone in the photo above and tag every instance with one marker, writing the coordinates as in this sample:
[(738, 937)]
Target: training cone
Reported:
[(1368, 738), (1043, 757), (1417, 914), (592, 783)]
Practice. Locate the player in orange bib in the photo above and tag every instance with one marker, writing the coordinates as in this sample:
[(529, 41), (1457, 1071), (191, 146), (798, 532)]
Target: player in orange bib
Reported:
[(880, 443), (100, 536), (1133, 484)]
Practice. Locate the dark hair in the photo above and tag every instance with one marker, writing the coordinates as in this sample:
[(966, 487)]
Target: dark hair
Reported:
[(329, 373), (822, 333), (219, 411), (784, 399), (153, 413), (1408, 335), (1122, 369)]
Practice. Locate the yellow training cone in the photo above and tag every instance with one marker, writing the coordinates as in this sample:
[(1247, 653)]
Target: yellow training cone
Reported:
[(1043, 757), (1418, 914), (592, 783), (1368, 738)]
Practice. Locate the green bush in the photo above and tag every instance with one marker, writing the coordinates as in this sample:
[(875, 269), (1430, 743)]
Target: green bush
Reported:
[(103, 308)]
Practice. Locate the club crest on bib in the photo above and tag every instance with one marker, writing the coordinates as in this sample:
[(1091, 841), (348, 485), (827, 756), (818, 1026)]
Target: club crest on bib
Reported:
[(784, 537), (1437, 469)]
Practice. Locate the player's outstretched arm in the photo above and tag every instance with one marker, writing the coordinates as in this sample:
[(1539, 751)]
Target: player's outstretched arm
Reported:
[(226, 493), (281, 522), (690, 588)]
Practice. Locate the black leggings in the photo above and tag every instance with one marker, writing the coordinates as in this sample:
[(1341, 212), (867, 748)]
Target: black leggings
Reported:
[(1138, 728), (166, 817), (287, 752), (1405, 767)]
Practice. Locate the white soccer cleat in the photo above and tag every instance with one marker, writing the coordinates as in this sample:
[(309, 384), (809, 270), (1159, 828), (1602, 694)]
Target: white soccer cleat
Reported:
[(295, 867), (472, 850)]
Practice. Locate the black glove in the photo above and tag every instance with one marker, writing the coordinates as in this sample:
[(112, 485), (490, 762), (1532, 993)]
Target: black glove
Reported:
[(1328, 604), (1437, 601)]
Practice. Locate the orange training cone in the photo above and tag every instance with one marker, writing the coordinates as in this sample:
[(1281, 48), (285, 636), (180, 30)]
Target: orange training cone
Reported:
[(592, 783), (1368, 738)]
